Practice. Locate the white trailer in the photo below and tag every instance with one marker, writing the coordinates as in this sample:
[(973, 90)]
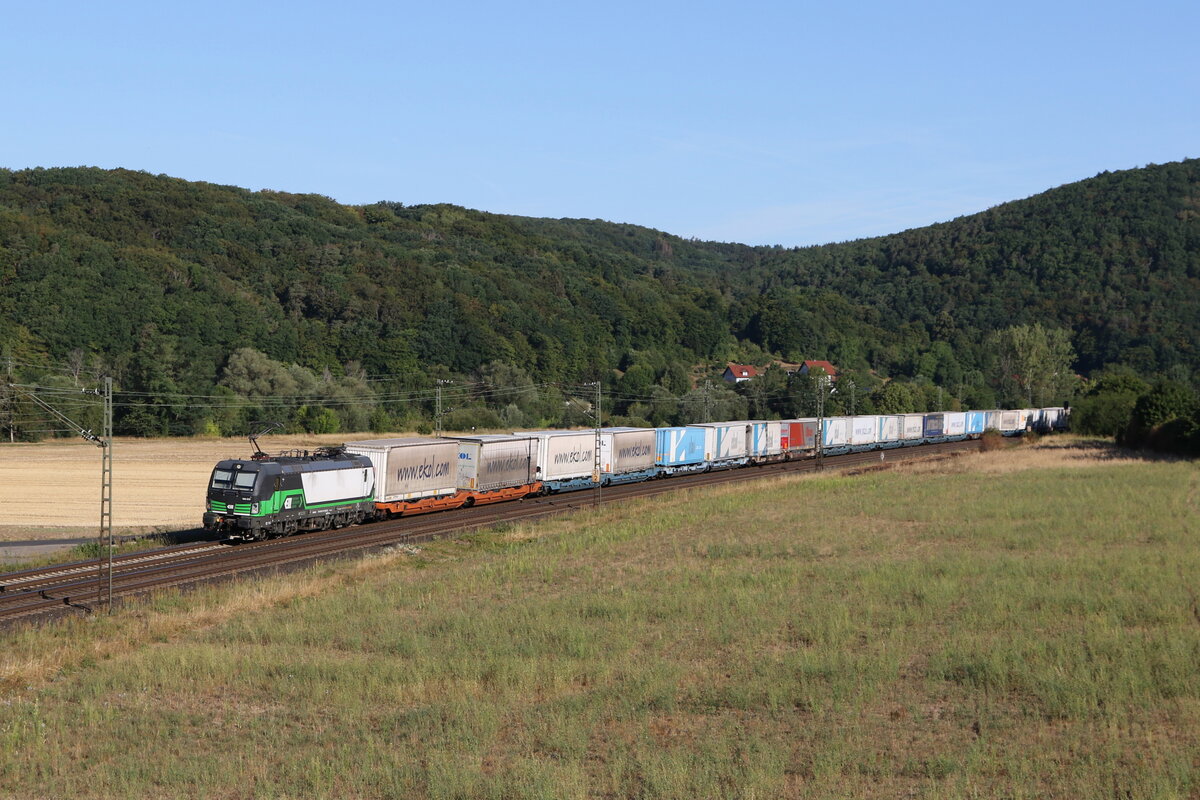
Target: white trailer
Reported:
[(496, 461), (410, 469), (626, 450)]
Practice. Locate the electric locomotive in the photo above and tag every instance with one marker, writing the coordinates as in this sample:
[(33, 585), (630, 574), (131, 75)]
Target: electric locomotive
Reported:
[(267, 496)]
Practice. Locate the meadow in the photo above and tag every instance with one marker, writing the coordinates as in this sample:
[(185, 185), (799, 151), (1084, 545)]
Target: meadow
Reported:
[(1019, 623)]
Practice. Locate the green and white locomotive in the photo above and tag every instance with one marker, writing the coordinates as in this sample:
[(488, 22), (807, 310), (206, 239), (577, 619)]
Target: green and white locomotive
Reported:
[(267, 496)]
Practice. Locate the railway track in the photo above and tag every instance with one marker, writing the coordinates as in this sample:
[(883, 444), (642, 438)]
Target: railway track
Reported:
[(83, 586)]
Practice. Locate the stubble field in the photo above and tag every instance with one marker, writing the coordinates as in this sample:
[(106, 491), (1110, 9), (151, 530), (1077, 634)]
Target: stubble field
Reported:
[(52, 489)]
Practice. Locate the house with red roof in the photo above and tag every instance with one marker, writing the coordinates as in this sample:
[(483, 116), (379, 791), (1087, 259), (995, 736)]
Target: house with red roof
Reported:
[(810, 366), (736, 373)]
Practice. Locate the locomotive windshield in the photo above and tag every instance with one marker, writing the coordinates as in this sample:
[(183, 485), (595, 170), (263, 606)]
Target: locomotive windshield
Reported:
[(229, 479)]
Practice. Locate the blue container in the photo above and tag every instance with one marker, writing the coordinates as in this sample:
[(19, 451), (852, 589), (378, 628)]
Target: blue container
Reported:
[(976, 422), (935, 425), (679, 447)]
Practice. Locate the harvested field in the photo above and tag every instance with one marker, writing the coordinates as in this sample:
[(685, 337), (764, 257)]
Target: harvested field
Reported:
[(52, 489)]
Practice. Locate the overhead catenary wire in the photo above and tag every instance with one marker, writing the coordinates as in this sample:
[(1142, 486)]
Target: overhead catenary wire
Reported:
[(459, 393)]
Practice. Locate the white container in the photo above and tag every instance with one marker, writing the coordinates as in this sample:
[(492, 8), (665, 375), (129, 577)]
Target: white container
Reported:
[(625, 450), (955, 424), (724, 441), (864, 430), (1010, 421), (836, 432), (496, 461), (891, 428), (563, 455), (765, 438), (410, 469), (914, 426)]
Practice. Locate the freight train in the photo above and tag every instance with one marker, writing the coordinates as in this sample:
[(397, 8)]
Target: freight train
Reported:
[(266, 496)]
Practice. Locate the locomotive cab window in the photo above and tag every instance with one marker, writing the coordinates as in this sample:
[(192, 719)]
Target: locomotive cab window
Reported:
[(228, 479), (244, 480)]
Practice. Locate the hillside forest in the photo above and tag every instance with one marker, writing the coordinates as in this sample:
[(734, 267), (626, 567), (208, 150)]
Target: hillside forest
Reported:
[(215, 308)]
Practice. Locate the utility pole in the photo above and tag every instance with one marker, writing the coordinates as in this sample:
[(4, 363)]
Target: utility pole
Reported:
[(104, 442), (10, 401), (820, 419), (437, 414), (707, 400), (106, 532), (597, 462)]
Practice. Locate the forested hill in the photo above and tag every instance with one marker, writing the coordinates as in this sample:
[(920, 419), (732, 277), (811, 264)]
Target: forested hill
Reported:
[(1114, 259), (160, 281), (119, 263)]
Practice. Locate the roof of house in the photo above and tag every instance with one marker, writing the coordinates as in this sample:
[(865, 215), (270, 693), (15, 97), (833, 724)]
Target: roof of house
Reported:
[(743, 370), (830, 369)]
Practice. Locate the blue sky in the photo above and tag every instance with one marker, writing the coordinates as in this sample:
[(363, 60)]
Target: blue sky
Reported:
[(758, 122)]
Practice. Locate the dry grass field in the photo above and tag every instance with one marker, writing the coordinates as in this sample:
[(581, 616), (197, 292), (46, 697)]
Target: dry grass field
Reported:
[(52, 489), (1018, 624)]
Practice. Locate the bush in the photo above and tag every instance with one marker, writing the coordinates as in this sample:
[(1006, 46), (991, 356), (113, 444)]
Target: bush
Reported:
[(1164, 419), (1103, 414), (1168, 400), (992, 439)]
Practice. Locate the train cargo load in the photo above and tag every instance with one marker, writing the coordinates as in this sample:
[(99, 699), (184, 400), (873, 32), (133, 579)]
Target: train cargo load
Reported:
[(497, 467), (864, 430), (680, 449), (496, 461), (976, 422), (765, 440), (914, 428), (566, 459), (835, 434), (798, 437), (956, 424), (412, 473), (627, 454), (725, 443), (891, 430), (935, 426)]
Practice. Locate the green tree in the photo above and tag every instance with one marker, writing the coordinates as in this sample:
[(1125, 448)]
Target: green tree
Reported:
[(1107, 407), (1033, 364), (896, 397)]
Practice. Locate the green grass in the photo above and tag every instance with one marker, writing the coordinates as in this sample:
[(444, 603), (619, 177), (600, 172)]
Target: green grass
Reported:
[(1030, 634)]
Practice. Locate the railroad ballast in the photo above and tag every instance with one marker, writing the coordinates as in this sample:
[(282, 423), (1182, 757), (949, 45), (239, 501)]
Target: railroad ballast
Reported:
[(267, 496)]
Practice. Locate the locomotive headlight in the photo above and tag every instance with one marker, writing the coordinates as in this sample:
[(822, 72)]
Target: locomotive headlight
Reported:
[(254, 508)]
